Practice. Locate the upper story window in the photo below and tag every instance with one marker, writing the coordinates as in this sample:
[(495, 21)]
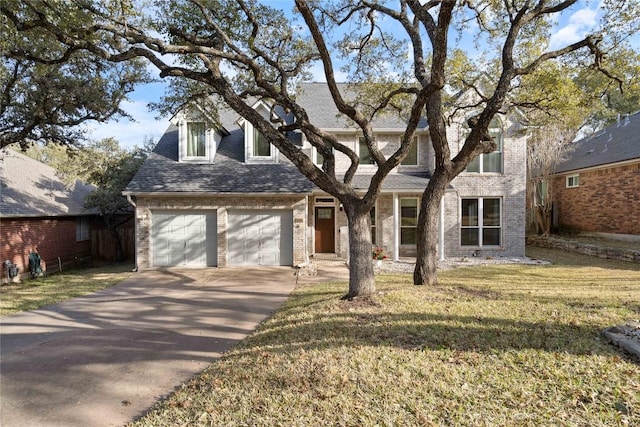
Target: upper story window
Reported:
[(573, 181), (412, 155), (258, 148), (366, 158), (261, 146), (318, 158), (490, 162), (196, 139)]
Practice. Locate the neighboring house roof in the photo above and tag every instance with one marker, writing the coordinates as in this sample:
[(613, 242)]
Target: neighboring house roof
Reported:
[(29, 188), (163, 173), (617, 143)]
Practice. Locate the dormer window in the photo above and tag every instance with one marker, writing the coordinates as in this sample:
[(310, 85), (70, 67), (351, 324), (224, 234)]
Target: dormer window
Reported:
[(196, 139), (261, 146), (257, 148)]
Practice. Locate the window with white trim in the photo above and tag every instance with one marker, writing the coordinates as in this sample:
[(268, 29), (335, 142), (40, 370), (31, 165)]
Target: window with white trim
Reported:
[(573, 181), (408, 220), (366, 158), (258, 148), (196, 139), (481, 222), (490, 162), (318, 158), (412, 155), (261, 146)]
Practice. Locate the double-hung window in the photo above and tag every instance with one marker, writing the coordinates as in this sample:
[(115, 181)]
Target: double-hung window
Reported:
[(490, 162), (261, 146), (408, 221), (412, 155), (573, 181), (196, 139), (366, 158), (481, 222)]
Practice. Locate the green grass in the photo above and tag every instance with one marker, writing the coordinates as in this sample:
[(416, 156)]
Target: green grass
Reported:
[(32, 294), (502, 345)]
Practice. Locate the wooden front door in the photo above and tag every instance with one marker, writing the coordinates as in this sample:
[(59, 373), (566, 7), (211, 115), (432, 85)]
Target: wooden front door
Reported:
[(325, 230)]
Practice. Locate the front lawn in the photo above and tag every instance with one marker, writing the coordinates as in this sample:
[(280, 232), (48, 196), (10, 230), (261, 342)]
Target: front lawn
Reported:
[(32, 294), (507, 345)]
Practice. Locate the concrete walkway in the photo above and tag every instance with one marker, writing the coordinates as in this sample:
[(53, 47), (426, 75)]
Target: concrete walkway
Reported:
[(104, 359)]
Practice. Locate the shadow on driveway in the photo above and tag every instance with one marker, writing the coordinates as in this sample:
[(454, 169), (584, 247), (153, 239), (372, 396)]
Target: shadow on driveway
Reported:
[(105, 358)]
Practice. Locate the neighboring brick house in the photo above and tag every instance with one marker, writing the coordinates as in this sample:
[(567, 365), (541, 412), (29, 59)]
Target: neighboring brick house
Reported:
[(597, 188), (224, 196), (38, 211)]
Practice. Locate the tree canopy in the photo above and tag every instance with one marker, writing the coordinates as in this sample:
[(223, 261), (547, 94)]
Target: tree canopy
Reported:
[(48, 90)]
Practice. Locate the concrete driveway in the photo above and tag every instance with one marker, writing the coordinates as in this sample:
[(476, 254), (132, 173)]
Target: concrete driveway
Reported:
[(104, 359)]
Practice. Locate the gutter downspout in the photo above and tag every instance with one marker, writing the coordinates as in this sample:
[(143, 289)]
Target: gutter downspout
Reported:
[(135, 232)]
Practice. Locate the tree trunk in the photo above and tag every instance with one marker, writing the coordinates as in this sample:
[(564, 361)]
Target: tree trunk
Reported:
[(361, 275), (426, 270)]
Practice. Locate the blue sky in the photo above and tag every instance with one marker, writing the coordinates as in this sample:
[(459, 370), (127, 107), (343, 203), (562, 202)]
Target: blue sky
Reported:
[(572, 27)]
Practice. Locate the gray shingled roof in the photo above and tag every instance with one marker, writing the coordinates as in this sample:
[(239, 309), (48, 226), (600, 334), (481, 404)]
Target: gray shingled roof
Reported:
[(617, 143), (162, 172), (29, 188), (316, 99)]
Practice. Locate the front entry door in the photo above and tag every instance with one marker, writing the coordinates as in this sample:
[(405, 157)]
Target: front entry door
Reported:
[(325, 230)]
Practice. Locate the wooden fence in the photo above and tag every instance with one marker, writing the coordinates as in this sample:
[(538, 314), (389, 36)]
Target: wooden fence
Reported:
[(103, 245)]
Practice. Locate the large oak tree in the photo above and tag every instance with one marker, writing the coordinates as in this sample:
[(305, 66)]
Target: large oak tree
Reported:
[(398, 54)]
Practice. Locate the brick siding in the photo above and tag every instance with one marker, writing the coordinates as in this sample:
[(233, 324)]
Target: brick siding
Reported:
[(606, 201), (53, 237)]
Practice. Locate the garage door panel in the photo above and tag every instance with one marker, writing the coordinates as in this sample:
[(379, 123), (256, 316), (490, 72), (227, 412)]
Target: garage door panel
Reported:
[(182, 239), (260, 237)]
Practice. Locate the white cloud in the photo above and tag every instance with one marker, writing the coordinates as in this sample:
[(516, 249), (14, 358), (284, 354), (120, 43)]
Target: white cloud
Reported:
[(130, 133), (578, 25)]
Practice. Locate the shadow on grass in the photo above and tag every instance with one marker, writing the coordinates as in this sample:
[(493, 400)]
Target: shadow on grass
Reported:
[(420, 331)]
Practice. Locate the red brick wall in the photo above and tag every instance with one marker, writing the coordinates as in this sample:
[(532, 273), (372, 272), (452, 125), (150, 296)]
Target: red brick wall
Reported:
[(607, 201), (53, 237)]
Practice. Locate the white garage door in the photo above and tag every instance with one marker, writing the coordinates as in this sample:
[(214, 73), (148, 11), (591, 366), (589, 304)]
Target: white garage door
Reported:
[(184, 238), (260, 237)]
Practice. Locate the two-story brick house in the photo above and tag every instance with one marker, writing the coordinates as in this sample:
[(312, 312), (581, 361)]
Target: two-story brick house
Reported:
[(223, 196)]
